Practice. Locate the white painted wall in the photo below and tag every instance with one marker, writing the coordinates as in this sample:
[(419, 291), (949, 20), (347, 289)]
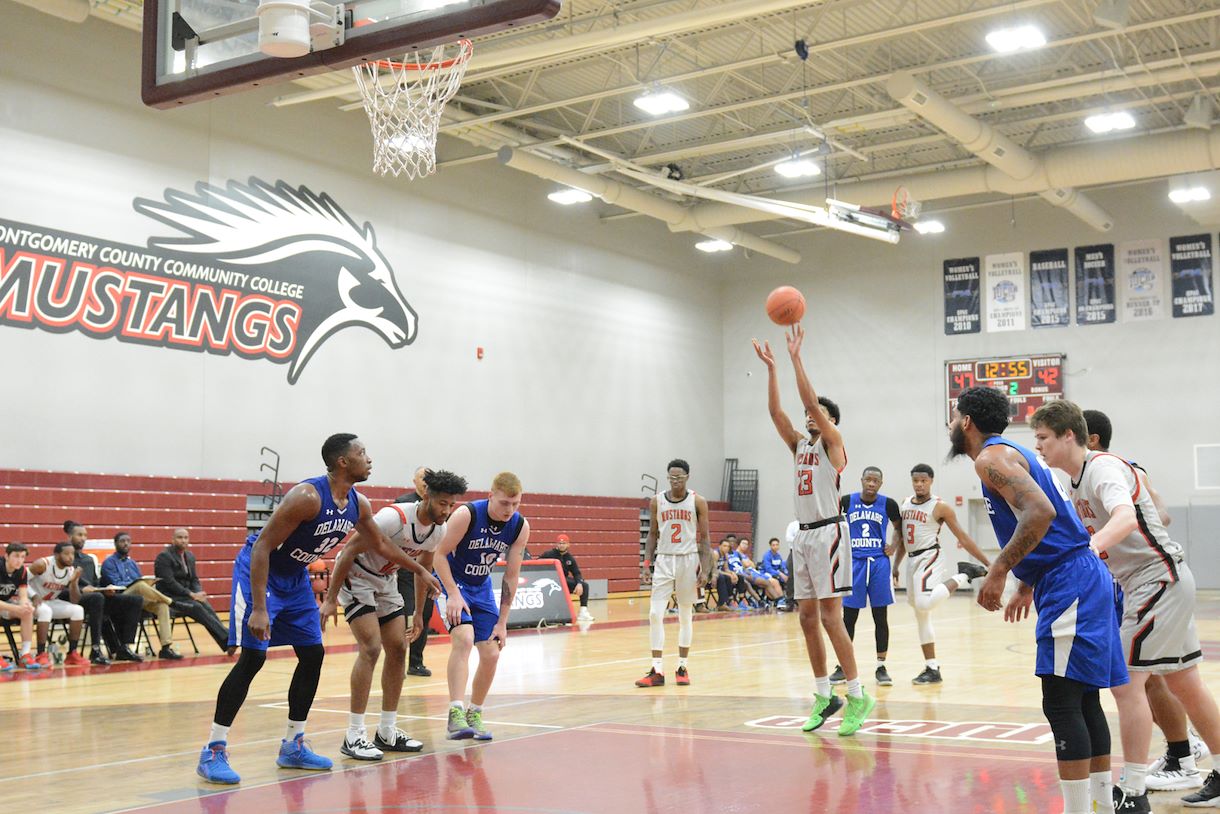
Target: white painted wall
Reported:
[(602, 343), (875, 344)]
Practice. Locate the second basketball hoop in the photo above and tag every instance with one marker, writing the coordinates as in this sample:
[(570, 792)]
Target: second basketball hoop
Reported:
[(404, 101)]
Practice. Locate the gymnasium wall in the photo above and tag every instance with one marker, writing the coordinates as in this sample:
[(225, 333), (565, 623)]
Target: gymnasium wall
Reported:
[(876, 345), (602, 343)]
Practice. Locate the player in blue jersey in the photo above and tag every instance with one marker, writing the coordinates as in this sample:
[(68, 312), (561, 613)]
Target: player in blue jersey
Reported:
[(868, 513), (477, 536), (1046, 548), (273, 603)]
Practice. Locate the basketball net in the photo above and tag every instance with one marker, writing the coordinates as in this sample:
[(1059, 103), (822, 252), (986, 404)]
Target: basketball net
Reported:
[(903, 207), (404, 101)]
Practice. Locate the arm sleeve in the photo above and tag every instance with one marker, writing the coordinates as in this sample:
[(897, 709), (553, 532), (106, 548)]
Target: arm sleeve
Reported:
[(891, 510)]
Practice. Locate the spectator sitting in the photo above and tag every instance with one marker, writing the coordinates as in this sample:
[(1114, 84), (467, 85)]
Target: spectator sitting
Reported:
[(101, 604), (47, 579), (121, 571), (15, 604), (571, 572), (765, 582), (726, 579), (177, 579), (775, 566), (743, 591)]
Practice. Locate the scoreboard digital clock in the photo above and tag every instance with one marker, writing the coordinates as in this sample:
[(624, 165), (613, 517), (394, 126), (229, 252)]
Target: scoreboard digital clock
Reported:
[(1028, 380)]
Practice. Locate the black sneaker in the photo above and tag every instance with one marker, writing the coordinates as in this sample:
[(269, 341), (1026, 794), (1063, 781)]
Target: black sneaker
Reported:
[(928, 676), (1125, 801), (972, 570), (127, 654), (400, 742), (883, 677), (418, 670), (96, 657), (1209, 795), (837, 676), (168, 652)]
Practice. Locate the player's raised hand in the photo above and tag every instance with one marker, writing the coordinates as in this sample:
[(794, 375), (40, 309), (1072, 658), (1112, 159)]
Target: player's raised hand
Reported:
[(795, 336), (764, 353)]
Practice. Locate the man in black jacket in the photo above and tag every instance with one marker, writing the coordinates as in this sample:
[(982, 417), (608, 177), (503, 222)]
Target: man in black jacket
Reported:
[(177, 579), (571, 571)]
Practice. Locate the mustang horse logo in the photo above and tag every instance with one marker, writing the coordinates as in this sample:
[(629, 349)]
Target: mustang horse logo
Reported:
[(294, 235)]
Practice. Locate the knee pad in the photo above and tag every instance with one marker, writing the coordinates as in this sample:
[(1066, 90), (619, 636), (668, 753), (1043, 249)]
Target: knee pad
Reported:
[(923, 622), (1063, 706)]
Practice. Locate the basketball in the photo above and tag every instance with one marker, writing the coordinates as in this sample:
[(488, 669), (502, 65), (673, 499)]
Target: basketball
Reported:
[(785, 305)]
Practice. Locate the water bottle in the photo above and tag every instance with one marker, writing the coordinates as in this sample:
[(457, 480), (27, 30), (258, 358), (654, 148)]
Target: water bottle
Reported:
[(57, 654)]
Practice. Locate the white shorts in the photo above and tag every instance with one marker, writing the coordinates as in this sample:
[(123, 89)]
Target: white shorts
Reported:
[(367, 593), (821, 562), (924, 571), (677, 574), (59, 609), (1158, 626)]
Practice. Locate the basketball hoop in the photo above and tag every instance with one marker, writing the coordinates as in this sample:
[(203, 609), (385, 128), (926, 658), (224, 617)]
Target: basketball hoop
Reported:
[(902, 206), (404, 101)]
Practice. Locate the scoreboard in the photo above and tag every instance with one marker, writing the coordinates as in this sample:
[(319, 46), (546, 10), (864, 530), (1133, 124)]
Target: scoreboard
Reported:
[(1028, 380)]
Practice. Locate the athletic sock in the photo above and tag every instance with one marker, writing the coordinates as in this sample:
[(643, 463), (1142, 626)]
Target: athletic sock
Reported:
[(459, 704), (475, 708), (294, 728), (355, 726), (1133, 779), (932, 664), (388, 723), (42, 648), (681, 663), (821, 685), (1178, 749), (1101, 787), (219, 733), (1076, 797), (25, 648), (880, 662), (658, 665), (853, 688)]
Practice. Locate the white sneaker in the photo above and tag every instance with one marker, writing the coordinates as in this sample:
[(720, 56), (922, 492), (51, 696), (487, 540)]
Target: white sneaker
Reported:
[(361, 749), (1173, 776), (584, 615), (1198, 749)]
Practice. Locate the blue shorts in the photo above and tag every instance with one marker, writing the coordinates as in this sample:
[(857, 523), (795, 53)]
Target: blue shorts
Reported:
[(1076, 631), (291, 607), (484, 612), (754, 573), (870, 583)]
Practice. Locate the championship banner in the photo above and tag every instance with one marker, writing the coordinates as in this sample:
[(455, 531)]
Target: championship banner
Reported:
[(962, 296), (1005, 285), (1141, 279), (1048, 289), (1190, 274), (260, 271), (1095, 284)]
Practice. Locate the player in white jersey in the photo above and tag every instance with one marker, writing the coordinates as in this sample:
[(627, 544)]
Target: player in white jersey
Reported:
[(680, 544), (930, 579), (821, 552), (1158, 626), (365, 581), (47, 579), (1167, 772)]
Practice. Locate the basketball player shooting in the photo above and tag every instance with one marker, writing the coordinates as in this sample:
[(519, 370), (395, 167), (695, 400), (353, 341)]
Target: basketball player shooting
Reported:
[(821, 560)]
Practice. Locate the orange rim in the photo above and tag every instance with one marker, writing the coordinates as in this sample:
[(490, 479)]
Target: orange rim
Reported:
[(466, 46)]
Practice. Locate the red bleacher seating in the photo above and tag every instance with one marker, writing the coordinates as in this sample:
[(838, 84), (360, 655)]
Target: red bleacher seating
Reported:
[(605, 531)]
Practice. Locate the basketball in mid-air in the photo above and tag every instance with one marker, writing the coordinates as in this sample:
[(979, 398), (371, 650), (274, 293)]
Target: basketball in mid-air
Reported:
[(785, 305)]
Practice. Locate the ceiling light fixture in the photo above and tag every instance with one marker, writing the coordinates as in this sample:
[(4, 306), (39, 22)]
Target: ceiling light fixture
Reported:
[(1107, 122), (1184, 195), (714, 246), (1016, 38), (570, 196), (660, 102), (929, 227), (797, 167)]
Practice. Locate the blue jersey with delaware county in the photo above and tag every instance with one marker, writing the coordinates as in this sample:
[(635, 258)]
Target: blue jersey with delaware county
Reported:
[(867, 523), (483, 544), (313, 539), (1066, 534)]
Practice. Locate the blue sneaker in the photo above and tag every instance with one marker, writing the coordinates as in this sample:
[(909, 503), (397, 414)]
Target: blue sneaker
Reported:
[(214, 765), (296, 754), (6, 666)]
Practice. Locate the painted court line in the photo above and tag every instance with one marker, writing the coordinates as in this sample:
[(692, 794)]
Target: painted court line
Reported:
[(284, 705)]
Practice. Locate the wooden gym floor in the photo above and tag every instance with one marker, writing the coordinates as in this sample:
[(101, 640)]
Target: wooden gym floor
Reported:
[(572, 733)]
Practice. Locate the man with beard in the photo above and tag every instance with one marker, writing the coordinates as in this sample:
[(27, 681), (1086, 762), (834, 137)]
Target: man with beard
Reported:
[(273, 602), (364, 581), (821, 564), (1046, 548)]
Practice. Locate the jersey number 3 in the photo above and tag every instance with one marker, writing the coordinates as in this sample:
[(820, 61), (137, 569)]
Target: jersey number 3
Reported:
[(804, 482)]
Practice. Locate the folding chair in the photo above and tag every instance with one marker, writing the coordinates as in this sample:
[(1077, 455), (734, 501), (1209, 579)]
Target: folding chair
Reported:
[(174, 617), (8, 631)]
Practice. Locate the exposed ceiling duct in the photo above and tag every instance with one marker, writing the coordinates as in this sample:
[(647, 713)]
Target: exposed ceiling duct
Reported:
[(991, 145), (613, 192)]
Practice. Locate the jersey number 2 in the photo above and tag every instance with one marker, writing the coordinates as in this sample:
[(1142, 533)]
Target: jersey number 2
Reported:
[(676, 537)]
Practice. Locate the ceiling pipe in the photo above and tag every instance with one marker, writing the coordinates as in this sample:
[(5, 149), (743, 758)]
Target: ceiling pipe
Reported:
[(74, 11), (989, 144), (613, 192)]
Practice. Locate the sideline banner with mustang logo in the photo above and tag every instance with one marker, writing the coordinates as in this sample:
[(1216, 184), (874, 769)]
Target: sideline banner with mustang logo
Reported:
[(542, 596), (257, 270)]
